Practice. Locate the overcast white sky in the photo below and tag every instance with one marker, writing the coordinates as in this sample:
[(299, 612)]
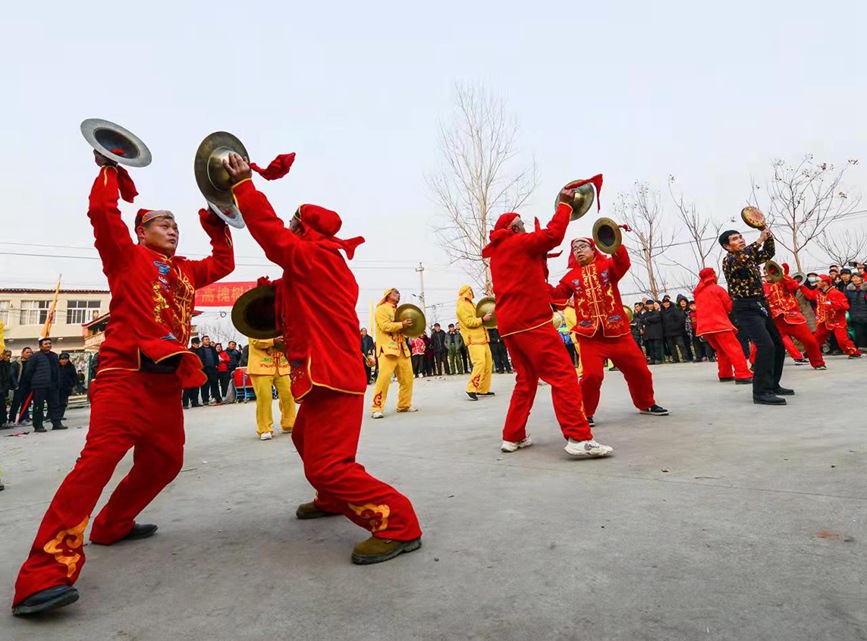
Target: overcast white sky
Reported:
[(636, 90)]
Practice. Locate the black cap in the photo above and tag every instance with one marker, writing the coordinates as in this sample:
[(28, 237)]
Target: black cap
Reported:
[(64, 355)]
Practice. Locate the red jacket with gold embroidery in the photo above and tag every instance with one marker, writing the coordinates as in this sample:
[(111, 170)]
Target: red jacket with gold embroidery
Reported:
[(316, 300), (782, 301), (151, 294), (596, 295), (831, 306)]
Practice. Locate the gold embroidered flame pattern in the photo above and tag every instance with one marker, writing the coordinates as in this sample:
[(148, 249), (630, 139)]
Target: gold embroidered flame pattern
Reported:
[(377, 515), (63, 546)]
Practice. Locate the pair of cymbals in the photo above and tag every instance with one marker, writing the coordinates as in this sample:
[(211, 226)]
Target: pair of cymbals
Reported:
[(485, 306), (408, 310), (122, 146)]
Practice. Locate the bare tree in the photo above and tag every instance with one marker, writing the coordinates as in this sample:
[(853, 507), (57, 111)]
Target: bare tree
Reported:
[(841, 248), (220, 330), (642, 211), (701, 230), (479, 176), (804, 199)]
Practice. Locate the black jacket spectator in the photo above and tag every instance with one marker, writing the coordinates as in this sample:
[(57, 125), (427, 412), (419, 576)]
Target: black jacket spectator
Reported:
[(673, 321), (68, 379), (857, 302), (651, 321), (208, 356), (5, 379), (235, 357), (438, 341), (43, 370)]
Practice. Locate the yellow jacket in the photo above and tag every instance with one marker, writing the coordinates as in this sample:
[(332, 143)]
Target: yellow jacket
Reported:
[(261, 360), (571, 322), (389, 340), (471, 325)]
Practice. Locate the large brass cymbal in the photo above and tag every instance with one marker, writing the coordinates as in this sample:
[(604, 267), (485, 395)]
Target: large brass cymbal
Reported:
[(774, 271), (581, 201), (558, 319), (211, 177), (629, 312), (408, 310), (484, 307), (106, 137), (753, 217), (254, 313), (607, 235)]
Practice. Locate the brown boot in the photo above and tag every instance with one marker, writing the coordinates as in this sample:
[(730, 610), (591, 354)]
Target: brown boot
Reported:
[(310, 511), (375, 550)]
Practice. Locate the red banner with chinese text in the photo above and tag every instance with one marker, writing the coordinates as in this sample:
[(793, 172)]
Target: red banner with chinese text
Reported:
[(222, 294)]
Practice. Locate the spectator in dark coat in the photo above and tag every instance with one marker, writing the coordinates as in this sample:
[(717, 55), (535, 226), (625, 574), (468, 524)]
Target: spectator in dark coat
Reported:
[(498, 352), (235, 354), (635, 327), (856, 292), (21, 387), (68, 381), (651, 324), (440, 350), (191, 395), (43, 375), (5, 384), (367, 350), (673, 328), (210, 363), (688, 334)]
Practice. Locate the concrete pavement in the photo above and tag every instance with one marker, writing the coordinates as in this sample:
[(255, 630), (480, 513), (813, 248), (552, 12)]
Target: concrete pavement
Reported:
[(725, 520)]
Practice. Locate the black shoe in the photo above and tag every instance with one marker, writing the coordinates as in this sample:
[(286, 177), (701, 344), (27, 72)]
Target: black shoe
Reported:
[(655, 410), (855, 355), (472, 396), (728, 379), (48, 599), (591, 421), (486, 394), (138, 531), (768, 399), (613, 369), (821, 367), (801, 361), (784, 391), (744, 381), (39, 429), (59, 426)]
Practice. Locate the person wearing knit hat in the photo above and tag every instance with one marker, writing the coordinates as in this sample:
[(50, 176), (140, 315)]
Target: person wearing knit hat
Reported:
[(315, 313), (476, 339), (786, 312), (713, 307), (831, 307), (751, 313), (603, 327), (518, 263), (393, 356), (136, 399)]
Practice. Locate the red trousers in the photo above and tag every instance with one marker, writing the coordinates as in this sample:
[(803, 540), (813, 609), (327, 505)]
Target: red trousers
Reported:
[(627, 357), (536, 354), (729, 355), (130, 410), (803, 335), (841, 333), (326, 436)]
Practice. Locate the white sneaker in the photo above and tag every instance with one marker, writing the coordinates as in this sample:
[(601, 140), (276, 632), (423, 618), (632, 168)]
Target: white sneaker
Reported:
[(510, 446), (587, 448), (408, 409), (377, 415), (266, 436)]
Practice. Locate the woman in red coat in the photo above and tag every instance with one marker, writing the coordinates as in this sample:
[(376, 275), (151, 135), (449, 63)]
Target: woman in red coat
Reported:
[(713, 306)]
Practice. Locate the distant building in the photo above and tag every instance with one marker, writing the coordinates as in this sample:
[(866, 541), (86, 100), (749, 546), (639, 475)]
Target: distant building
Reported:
[(24, 311)]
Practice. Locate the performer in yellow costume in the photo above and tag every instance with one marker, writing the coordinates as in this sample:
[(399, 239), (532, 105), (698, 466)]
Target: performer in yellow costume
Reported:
[(476, 339), (571, 322), (267, 366), (393, 355)]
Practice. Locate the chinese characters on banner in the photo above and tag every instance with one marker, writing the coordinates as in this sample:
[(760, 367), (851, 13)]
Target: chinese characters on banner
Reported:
[(222, 294)]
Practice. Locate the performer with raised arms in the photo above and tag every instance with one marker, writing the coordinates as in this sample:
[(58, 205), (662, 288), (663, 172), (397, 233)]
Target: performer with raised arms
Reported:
[(144, 364), (316, 301), (519, 273), (602, 326)]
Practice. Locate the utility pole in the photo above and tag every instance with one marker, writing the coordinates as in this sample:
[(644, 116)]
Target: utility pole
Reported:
[(420, 270)]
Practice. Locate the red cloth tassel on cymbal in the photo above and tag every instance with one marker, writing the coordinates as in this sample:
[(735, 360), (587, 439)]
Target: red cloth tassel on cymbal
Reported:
[(278, 167)]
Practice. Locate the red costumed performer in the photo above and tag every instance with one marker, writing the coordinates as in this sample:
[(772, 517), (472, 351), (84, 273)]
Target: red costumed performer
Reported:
[(602, 327), (316, 301), (713, 306), (144, 364), (831, 306), (789, 319), (519, 272)]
